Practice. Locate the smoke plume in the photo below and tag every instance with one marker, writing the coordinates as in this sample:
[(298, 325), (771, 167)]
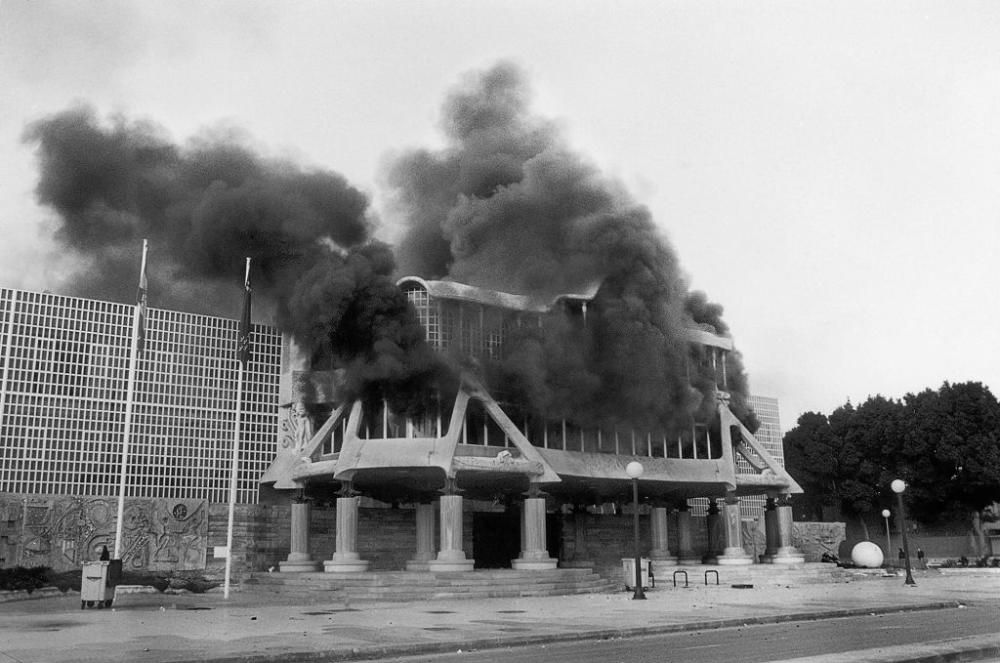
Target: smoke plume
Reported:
[(507, 205), (206, 205)]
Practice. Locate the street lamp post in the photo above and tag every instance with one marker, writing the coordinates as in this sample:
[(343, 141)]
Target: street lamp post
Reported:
[(888, 537), (634, 470), (898, 486)]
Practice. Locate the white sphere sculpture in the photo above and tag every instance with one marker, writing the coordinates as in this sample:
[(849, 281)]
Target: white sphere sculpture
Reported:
[(867, 555)]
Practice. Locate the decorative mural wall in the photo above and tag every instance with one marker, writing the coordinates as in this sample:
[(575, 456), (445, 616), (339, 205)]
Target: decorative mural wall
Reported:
[(62, 532)]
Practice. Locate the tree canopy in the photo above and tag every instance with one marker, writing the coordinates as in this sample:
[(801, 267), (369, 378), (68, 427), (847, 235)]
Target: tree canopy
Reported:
[(945, 444)]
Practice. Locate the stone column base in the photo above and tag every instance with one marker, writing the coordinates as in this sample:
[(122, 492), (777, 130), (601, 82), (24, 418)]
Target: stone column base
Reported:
[(541, 564), (734, 557), (789, 555), (446, 565), (298, 566), (347, 563)]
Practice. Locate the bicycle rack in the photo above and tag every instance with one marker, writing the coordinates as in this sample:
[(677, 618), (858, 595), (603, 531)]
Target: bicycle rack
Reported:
[(685, 574), (716, 576)]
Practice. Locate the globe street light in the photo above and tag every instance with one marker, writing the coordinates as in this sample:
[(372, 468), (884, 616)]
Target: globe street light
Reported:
[(898, 486), (888, 538), (634, 470)]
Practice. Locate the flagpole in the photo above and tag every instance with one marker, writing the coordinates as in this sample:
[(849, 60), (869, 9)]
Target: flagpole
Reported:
[(129, 400), (242, 358)]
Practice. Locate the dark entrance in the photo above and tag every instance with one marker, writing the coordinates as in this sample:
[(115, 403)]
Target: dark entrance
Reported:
[(496, 538)]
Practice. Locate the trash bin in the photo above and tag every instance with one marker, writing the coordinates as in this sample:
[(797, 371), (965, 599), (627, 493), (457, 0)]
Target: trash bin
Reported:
[(628, 571), (97, 586)]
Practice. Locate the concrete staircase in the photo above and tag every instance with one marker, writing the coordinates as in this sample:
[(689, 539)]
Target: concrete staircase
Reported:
[(414, 586)]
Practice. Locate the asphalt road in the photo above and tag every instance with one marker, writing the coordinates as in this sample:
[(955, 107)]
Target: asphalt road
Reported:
[(755, 644)]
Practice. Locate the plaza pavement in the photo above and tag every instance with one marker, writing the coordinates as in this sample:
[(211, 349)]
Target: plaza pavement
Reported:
[(164, 628)]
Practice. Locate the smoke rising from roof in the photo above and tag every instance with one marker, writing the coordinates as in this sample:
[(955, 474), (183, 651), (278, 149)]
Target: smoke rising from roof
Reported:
[(507, 205)]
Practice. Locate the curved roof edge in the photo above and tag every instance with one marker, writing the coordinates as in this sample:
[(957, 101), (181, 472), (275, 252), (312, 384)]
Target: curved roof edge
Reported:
[(470, 293)]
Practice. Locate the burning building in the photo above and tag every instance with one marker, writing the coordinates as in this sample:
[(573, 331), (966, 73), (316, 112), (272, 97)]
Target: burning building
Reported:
[(545, 335), (472, 444)]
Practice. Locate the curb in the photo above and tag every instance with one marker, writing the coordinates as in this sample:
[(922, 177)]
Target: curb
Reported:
[(427, 648)]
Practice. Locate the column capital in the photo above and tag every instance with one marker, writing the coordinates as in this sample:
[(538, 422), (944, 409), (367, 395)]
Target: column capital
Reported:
[(347, 490), (450, 486)]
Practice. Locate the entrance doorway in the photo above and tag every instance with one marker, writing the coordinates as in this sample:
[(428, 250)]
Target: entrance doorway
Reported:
[(496, 538)]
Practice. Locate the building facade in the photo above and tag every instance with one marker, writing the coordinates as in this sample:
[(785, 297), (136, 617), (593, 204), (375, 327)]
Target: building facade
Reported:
[(477, 484), (64, 365), (475, 450)]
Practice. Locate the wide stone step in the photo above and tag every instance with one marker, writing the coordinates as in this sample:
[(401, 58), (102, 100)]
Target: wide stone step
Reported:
[(409, 586)]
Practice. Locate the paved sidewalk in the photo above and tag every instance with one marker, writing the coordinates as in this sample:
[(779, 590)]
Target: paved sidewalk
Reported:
[(157, 628)]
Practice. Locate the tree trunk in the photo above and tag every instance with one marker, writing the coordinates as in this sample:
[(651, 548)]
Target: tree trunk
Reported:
[(864, 526), (978, 536)]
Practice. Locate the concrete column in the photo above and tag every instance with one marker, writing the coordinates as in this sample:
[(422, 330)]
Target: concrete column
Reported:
[(659, 555), (714, 534), (299, 560), (425, 538), (346, 558), (787, 553), (771, 542), (451, 557), (733, 554), (686, 555), (534, 548)]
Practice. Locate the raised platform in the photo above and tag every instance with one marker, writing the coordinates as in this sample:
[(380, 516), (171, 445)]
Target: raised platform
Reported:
[(421, 585)]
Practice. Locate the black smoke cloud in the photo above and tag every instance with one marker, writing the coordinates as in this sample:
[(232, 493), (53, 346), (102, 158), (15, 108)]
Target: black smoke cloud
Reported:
[(206, 205), (507, 205), (203, 207)]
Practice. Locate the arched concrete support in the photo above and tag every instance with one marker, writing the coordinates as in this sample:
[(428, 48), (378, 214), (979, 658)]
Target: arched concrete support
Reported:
[(346, 558), (733, 554), (451, 557), (299, 560), (787, 553), (714, 533), (534, 547), (686, 555), (426, 550)]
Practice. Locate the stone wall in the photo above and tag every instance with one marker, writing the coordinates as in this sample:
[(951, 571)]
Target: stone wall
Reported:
[(166, 534), (62, 532)]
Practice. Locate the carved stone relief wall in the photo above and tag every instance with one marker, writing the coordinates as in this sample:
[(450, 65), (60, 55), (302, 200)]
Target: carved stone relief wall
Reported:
[(62, 532), (814, 539)]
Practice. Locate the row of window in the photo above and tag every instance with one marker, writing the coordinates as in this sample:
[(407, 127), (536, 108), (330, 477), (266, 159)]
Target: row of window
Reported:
[(63, 382)]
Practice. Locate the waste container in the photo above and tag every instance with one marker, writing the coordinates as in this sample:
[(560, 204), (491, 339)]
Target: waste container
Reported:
[(628, 571), (97, 586)]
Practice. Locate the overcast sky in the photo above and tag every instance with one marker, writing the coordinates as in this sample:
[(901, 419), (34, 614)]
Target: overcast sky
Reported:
[(828, 171)]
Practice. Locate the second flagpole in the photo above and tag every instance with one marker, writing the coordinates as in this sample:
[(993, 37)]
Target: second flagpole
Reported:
[(242, 357), (133, 360)]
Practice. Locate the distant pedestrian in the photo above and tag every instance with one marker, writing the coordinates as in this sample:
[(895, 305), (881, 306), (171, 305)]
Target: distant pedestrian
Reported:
[(921, 562), (902, 555), (105, 555)]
